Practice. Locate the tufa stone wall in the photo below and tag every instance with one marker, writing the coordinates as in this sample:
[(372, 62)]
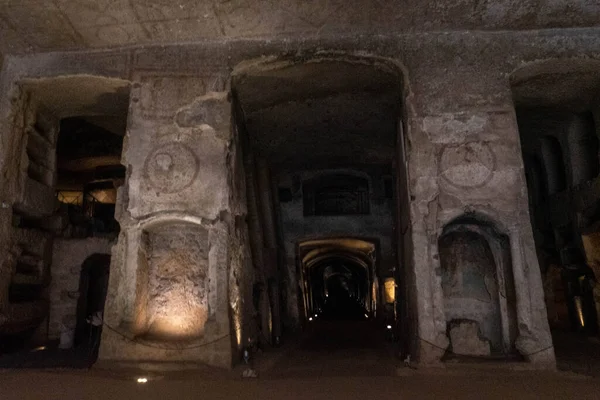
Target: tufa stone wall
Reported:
[(182, 250), (177, 260), (68, 256), (460, 135)]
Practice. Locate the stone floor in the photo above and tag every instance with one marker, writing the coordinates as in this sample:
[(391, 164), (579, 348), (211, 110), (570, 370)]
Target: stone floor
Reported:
[(334, 349), (115, 385), (577, 353), (341, 360)]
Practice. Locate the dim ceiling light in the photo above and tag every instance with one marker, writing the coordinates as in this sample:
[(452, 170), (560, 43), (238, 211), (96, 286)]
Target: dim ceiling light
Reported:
[(142, 379), (310, 319), (389, 327)]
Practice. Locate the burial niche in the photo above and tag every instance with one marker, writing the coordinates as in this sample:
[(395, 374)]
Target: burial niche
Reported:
[(478, 289), (177, 263)]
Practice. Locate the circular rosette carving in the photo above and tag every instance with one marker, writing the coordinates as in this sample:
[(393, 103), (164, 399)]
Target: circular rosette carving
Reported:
[(467, 165), (171, 168)]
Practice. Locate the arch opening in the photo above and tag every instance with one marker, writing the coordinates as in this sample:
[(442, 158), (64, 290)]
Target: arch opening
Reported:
[(338, 278), (557, 113), (72, 129), (322, 148)]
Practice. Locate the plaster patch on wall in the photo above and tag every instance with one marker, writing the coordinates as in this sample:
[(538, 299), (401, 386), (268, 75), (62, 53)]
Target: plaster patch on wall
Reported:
[(453, 128)]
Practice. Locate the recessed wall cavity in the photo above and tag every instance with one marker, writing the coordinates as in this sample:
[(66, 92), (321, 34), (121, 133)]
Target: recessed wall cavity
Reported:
[(478, 290), (48, 233), (557, 113), (176, 258)]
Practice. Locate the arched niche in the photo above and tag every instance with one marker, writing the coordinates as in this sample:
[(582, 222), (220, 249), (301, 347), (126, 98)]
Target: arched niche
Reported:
[(536, 179), (174, 260), (583, 148), (478, 287), (554, 164)]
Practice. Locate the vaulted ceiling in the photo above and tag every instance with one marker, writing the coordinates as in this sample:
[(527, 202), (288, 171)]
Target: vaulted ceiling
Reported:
[(322, 113), (48, 25)]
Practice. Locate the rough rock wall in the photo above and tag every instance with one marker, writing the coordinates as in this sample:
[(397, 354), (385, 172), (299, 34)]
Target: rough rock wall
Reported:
[(469, 284), (458, 105), (68, 256), (182, 246), (177, 259), (464, 156)]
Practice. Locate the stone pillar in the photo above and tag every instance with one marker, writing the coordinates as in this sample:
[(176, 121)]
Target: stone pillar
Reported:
[(175, 290), (254, 220), (270, 241), (266, 203), (257, 246), (534, 341)]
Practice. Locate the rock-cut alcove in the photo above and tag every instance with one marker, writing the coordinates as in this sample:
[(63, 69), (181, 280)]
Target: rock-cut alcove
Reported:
[(478, 288), (175, 255)]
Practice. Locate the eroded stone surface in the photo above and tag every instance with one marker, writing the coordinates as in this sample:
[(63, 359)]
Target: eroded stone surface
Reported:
[(177, 257), (68, 25), (465, 339), (457, 102)]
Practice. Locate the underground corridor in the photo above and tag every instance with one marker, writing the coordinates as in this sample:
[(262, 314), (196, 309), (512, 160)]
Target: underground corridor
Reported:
[(64, 226), (320, 156), (556, 107)]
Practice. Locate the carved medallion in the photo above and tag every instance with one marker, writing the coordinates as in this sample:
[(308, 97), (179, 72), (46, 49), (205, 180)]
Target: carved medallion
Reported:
[(467, 165), (172, 167)]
